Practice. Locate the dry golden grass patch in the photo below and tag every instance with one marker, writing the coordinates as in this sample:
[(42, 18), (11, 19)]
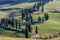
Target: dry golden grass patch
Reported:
[(3, 14), (10, 38)]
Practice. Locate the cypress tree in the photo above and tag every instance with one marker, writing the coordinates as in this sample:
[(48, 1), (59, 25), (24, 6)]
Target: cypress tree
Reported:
[(26, 12), (46, 16), (6, 22), (31, 18), (38, 4), (42, 9), (37, 7), (3, 22), (39, 19), (19, 25), (42, 6), (13, 22), (29, 27), (23, 14), (27, 18), (36, 30), (26, 31), (16, 22), (42, 19), (34, 6)]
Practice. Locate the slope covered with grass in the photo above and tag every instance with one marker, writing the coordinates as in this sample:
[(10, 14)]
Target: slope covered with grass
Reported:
[(48, 27), (55, 5), (3, 14)]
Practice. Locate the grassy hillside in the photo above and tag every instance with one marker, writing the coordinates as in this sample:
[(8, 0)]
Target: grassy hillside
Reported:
[(8, 38), (52, 6), (46, 28), (16, 12), (3, 14), (50, 26)]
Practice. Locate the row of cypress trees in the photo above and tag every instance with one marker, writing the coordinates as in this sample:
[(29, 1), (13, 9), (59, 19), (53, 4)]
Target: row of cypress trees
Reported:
[(15, 23), (29, 17), (41, 4), (28, 27)]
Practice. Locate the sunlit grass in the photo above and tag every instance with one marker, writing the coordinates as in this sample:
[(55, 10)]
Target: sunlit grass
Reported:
[(10, 38), (50, 26), (46, 28), (3, 14), (52, 6)]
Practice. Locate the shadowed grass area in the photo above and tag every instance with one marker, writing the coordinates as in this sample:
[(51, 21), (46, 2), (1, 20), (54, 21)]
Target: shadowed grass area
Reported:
[(23, 5)]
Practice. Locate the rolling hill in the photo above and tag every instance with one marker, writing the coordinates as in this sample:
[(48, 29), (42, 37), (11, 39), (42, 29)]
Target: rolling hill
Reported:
[(46, 28)]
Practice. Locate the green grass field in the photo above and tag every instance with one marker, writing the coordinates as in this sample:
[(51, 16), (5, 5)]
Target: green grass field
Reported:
[(50, 26), (46, 28)]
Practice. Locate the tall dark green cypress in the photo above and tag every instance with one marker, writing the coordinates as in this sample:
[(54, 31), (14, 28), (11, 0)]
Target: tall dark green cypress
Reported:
[(27, 18), (16, 23), (26, 31), (36, 31), (46, 16), (23, 14), (13, 22), (42, 9), (38, 4), (42, 19), (29, 28), (31, 18), (6, 22), (39, 19), (42, 6), (34, 6), (19, 25)]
